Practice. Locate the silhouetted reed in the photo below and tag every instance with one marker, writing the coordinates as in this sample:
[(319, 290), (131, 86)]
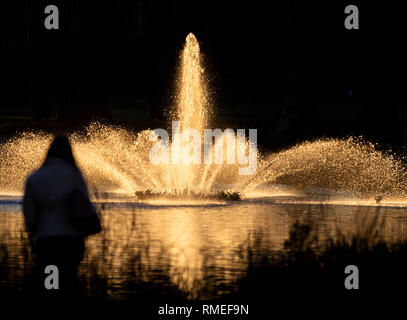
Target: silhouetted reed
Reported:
[(311, 266)]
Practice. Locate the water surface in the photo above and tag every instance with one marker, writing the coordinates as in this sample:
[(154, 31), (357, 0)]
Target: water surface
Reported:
[(190, 239)]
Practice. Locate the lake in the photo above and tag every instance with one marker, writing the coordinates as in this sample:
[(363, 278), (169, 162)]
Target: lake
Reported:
[(206, 241)]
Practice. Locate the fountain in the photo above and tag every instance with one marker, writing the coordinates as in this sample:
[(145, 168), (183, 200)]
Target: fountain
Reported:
[(115, 159)]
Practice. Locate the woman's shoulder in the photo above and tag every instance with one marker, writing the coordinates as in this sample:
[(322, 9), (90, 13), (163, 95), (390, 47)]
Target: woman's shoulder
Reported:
[(36, 174), (51, 168)]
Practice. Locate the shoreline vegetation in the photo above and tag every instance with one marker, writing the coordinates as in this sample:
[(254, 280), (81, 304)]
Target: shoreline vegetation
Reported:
[(188, 194), (307, 267)]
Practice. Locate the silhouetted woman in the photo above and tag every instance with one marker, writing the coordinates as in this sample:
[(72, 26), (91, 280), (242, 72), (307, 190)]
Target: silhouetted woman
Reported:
[(48, 215)]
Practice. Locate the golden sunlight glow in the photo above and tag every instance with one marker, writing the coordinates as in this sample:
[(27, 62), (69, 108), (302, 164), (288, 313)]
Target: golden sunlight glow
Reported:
[(115, 159)]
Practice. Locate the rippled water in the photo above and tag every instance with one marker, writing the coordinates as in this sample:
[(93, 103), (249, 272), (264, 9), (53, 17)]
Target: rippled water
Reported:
[(190, 239)]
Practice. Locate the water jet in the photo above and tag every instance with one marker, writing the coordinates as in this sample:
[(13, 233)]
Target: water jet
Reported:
[(116, 160)]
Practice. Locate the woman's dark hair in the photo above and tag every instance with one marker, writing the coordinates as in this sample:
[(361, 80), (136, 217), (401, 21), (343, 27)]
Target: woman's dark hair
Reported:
[(61, 148)]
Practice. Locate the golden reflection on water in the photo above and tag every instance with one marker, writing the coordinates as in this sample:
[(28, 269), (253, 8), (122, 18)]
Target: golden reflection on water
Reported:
[(188, 242)]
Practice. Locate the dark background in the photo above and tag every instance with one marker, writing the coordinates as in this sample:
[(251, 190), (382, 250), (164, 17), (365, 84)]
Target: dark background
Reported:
[(288, 68)]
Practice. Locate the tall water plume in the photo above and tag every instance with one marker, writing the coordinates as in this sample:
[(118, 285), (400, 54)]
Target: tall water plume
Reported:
[(191, 110), (193, 106)]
